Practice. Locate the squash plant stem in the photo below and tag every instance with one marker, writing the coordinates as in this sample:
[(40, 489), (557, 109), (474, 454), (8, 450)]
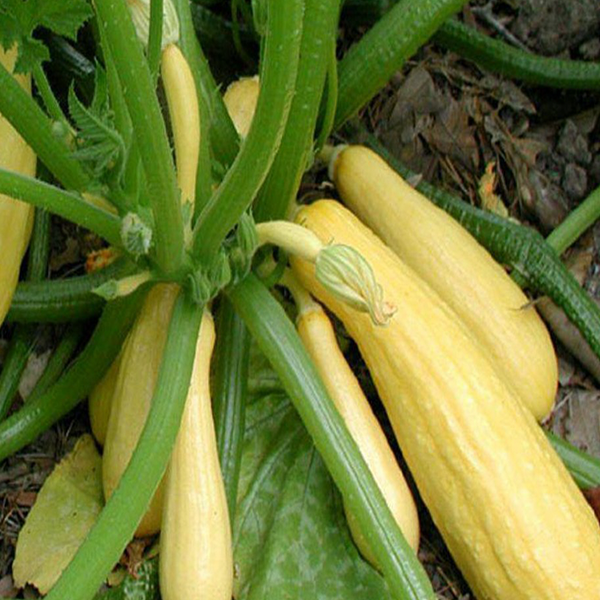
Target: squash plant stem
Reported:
[(149, 131), (22, 427), (278, 339), (250, 168)]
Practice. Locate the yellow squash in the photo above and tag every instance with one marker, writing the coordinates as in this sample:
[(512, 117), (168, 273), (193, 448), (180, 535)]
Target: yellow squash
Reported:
[(458, 268), (318, 337), (140, 361), (16, 218), (512, 517), (240, 99), (195, 543)]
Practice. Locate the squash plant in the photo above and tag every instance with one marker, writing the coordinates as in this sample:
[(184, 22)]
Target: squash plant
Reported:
[(113, 171)]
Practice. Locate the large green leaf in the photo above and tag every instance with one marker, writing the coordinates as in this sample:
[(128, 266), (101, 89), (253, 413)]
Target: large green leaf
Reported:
[(291, 541), (65, 510)]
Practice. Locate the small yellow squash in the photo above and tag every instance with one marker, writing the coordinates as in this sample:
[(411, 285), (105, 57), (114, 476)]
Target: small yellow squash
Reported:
[(318, 336), (16, 218), (195, 542), (240, 99), (510, 513), (140, 362), (458, 268)]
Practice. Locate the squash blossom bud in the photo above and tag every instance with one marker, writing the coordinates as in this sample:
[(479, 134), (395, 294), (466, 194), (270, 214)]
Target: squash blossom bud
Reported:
[(140, 14)]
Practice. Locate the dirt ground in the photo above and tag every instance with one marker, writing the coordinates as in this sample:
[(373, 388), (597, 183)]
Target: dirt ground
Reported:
[(451, 122)]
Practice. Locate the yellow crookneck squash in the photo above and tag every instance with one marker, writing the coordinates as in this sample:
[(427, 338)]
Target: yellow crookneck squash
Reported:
[(458, 268), (195, 543), (16, 218), (509, 511)]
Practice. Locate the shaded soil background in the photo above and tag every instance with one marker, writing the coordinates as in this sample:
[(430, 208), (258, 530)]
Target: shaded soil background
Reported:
[(452, 123)]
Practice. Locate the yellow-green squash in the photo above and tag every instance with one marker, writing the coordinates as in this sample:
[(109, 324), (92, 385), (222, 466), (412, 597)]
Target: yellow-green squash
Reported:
[(512, 517), (195, 543), (458, 268)]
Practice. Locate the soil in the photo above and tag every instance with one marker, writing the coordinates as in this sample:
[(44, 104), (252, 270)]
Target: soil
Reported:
[(449, 121)]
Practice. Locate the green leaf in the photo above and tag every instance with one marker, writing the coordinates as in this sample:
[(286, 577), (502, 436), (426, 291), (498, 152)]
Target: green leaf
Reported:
[(291, 540), (144, 586), (99, 144), (20, 18), (65, 510)]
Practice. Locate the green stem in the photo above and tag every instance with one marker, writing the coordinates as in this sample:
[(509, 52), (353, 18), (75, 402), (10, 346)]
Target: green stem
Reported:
[(318, 42), (244, 178), (68, 205), (62, 300), (155, 37), (584, 468), (277, 338), (149, 131), (36, 416), (330, 104), (59, 360), (230, 384), (372, 61), (24, 336), (223, 136), (35, 127), (50, 101), (118, 520), (188, 44), (578, 220), (499, 57)]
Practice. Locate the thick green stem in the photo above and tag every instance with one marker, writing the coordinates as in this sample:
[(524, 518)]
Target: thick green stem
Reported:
[(229, 388), (123, 511), (36, 416), (244, 178), (69, 205), (35, 127), (584, 468), (45, 91), (318, 42), (62, 300), (499, 57), (383, 50), (277, 338), (24, 336), (205, 89), (148, 129), (155, 37), (578, 220)]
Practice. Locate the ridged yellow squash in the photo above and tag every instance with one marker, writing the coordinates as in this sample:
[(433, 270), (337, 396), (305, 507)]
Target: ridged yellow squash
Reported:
[(195, 542), (16, 218), (458, 268), (510, 513), (318, 336), (140, 362)]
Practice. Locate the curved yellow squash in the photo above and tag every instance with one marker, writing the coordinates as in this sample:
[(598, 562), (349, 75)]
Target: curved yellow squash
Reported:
[(240, 99), (318, 336), (16, 218), (140, 361), (512, 517), (458, 268), (195, 543)]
